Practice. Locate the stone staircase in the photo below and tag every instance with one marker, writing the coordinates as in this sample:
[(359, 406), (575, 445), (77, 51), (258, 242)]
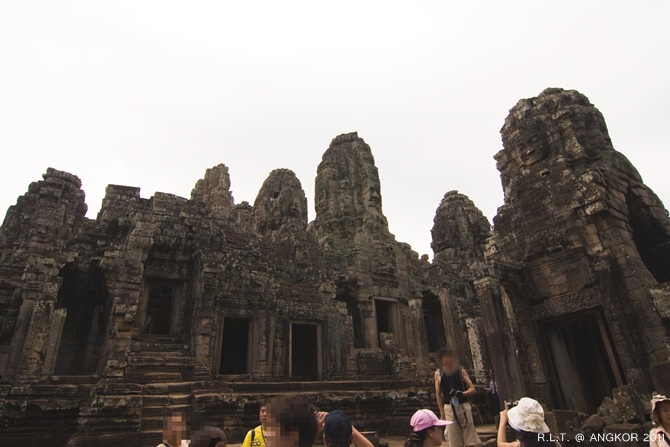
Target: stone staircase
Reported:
[(234, 405), (159, 361), (157, 398)]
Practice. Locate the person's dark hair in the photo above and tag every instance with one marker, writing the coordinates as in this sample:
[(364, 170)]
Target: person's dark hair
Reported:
[(186, 418), (339, 442), (209, 437), (530, 439), (262, 403), (446, 352), (416, 438), (295, 413)]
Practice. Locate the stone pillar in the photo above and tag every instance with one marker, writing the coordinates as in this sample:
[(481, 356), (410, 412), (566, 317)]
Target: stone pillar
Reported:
[(20, 334), (501, 346), (261, 356), (124, 270), (370, 324), (419, 332)]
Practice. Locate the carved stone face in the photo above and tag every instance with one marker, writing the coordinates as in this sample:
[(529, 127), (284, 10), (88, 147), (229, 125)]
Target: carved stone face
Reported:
[(33, 363), (374, 198), (280, 203), (534, 149), (531, 144)]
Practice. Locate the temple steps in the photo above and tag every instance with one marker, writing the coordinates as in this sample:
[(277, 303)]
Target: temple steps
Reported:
[(233, 405), (156, 362), (173, 396), (315, 387)]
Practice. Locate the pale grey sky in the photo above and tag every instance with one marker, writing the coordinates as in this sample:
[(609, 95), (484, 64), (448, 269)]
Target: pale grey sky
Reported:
[(152, 93)]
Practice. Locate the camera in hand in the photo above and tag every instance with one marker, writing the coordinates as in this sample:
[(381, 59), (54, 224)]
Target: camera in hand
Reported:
[(456, 393), (510, 404)]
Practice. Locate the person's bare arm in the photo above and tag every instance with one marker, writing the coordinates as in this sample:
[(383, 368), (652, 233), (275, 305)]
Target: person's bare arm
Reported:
[(359, 439), (320, 421), (470, 390), (438, 394), (502, 437)]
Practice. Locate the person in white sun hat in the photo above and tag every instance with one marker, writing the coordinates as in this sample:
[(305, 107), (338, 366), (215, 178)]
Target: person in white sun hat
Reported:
[(660, 415), (527, 418)]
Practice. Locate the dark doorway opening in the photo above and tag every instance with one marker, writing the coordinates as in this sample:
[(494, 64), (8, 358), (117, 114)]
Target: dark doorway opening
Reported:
[(433, 319), (304, 352), (347, 291), (83, 297), (235, 346), (585, 365), (383, 310), (354, 310), (160, 306), (387, 318), (651, 238)]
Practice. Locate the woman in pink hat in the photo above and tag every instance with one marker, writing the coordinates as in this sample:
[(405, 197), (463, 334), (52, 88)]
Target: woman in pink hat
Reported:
[(426, 430), (660, 414)]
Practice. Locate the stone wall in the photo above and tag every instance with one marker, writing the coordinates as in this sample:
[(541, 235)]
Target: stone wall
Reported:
[(157, 295), (576, 266), (206, 305)]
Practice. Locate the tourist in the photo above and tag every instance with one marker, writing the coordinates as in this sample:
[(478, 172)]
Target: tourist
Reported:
[(493, 390), (208, 437), (426, 430), (660, 415), (256, 437), (291, 422), (338, 431), (174, 431), (527, 418), (452, 388)]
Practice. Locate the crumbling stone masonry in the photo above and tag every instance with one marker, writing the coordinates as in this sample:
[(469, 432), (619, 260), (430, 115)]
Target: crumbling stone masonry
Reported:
[(574, 289), (207, 305)]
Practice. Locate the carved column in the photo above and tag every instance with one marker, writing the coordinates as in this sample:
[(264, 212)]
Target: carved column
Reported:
[(501, 346)]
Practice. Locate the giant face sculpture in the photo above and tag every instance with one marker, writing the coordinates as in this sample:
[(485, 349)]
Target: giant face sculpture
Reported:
[(559, 124), (281, 203), (531, 144)]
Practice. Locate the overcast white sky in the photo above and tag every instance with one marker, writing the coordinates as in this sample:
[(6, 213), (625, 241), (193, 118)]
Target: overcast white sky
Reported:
[(151, 93)]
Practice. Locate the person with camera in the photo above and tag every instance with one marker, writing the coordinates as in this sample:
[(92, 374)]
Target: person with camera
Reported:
[(660, 416), (452, 388), (526, 417)]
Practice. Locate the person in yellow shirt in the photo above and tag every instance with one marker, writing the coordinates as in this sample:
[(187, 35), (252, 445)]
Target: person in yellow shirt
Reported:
[(256, 437)]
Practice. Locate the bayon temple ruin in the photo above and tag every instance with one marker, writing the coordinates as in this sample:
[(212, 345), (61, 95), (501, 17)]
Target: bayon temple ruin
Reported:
[(210, 305)]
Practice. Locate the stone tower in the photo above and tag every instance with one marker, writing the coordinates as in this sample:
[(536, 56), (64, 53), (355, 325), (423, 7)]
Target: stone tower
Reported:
[(460, 232), (579, 262)]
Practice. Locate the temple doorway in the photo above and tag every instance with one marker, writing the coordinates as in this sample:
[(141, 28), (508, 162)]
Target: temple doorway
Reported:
[(386, 312), (433, 319), (235, 346), (81, 313), (305, 352), (584, 362)]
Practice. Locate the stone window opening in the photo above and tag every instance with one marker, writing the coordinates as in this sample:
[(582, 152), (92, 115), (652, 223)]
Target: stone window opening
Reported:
[(9, 310), (80, 316), (346, 291), (584, 364), (386, 313), (651, 239), (433, 318), (235, 346), (305, 356), (356, 313), (163, 308)]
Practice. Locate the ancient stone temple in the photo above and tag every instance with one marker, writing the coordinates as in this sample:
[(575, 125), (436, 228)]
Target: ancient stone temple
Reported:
[(208, 306), (205, 304), (574, 293)]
